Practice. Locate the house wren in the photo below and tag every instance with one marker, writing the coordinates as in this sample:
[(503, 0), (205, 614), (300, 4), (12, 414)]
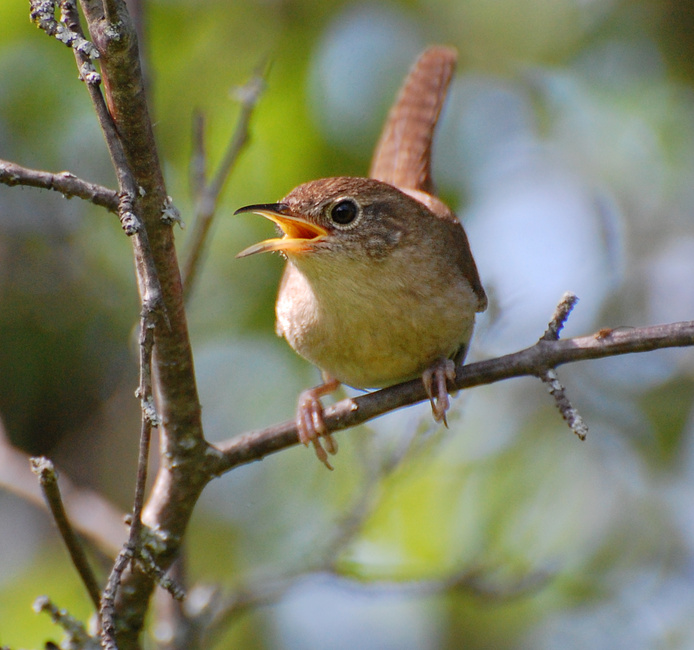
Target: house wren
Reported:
[(380, 286)]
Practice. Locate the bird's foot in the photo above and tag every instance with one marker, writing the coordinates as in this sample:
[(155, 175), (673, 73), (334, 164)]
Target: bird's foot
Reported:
[(310, 423), (435, 384)]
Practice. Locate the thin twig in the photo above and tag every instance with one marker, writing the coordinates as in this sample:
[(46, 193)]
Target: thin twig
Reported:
[(64, 182), (48, 480), (150, 287), (78, 637), (561, 313), (108, 598), (126, 182), (150, 419), (549, 376), (181, 619), (568, 411), (147, 563), (207, 196), (43, 14)]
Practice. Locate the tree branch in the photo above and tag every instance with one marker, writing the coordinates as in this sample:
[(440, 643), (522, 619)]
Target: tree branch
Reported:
[(48, 480), (124, 119), (179, 481), (64, 182), (561, 314), (533, 361), (76, 634), (561, 399), (188, 463), (550, 378), (131, 548)]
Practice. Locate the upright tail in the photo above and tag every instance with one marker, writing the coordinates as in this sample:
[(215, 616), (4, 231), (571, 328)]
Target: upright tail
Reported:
[(403, 154)]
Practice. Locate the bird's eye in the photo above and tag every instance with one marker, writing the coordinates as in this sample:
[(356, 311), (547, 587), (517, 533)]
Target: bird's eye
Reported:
[(344, 211)]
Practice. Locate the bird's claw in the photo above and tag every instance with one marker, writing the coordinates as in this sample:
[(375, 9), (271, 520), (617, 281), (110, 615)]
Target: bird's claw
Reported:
[(435, 384), (311, 425)]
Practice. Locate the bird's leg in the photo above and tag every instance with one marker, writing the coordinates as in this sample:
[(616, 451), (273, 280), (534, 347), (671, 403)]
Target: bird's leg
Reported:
[(435, 384), (310, 423)]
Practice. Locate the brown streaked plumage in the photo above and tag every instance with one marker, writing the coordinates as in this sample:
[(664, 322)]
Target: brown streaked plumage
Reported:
[(380, 284)]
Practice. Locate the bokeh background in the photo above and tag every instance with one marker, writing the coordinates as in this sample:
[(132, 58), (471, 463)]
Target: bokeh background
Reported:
[(567, 149)]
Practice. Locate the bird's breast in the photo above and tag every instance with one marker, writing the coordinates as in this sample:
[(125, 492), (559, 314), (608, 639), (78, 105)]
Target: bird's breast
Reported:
[(374, 325)]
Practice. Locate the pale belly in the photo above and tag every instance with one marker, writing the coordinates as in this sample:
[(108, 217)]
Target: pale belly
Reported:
[(374, 337)]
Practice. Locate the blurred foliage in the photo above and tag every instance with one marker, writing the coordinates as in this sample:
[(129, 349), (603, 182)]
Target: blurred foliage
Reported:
[(568, 150), (49, 573)]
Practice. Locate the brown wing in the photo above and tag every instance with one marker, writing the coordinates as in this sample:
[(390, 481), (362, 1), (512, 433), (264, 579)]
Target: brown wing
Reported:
[(403, 154)]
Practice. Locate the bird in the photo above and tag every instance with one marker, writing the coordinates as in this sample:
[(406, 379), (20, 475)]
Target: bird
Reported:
[(380, 285)]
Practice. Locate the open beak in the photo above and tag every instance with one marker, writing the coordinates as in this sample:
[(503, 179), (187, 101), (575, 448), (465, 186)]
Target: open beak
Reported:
[(299, 234)]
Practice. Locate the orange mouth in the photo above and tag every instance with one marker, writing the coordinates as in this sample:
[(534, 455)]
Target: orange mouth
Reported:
[(299, 234)]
